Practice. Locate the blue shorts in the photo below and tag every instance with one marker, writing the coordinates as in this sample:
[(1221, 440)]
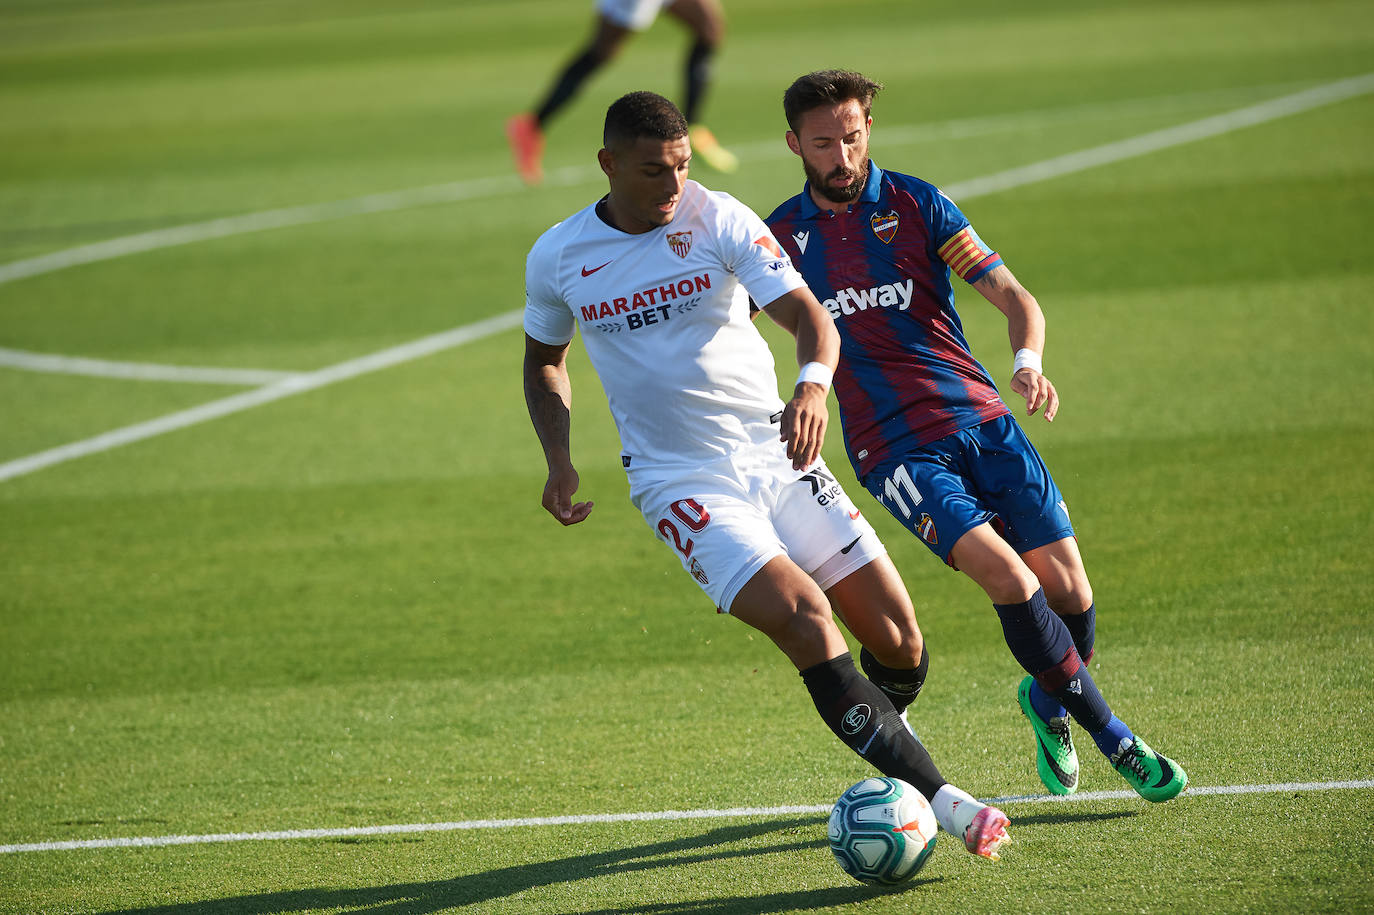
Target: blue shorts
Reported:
[(986, 473)]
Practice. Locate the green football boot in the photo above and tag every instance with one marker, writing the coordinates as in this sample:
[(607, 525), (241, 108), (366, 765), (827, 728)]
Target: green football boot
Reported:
[(1055, 758), (1153, 776)]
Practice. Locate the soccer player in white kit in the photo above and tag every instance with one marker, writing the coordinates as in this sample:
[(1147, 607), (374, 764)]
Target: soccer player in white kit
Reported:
[(658, 275)]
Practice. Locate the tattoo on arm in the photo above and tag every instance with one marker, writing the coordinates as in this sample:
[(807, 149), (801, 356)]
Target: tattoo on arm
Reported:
[(548, 397)]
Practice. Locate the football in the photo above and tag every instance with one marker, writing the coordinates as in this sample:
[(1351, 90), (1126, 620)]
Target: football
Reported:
[(882, 831)]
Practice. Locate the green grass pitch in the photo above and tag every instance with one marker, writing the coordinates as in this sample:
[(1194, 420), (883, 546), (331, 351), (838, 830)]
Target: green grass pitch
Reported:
[(346, 608)]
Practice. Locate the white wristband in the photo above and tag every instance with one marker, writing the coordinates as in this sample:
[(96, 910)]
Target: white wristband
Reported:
[(816, 373), (1027, 359)]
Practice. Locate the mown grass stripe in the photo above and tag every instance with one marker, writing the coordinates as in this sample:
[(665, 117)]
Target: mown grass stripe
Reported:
[(479, 188), (1000, 181)]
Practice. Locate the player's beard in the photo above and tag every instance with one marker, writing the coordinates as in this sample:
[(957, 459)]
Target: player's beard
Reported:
[(847, 194)]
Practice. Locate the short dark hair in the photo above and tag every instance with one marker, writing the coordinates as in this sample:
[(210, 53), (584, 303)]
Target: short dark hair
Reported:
[(827, 87), (642, 114)]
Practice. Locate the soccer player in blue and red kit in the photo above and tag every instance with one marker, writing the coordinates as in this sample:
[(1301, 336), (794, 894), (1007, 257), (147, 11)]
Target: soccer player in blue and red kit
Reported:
[(924, 426)]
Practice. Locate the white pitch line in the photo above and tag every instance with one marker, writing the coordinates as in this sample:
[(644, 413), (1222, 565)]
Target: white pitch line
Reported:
[(286, 387), (256, 222), (1205, 128), (634, 817), (1000, 181), (136, 371)]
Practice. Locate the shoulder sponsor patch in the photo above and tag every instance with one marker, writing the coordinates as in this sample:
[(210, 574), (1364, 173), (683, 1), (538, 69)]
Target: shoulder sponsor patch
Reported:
[(767, 243)]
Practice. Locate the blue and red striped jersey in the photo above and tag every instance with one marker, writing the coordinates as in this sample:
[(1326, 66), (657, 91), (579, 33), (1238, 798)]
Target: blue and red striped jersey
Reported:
[(882, 269)]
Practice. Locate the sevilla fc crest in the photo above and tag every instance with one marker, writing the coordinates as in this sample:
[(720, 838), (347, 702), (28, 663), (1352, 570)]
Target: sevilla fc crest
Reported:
[(926, 528), (680, 242), (885, 226), (699, 573)]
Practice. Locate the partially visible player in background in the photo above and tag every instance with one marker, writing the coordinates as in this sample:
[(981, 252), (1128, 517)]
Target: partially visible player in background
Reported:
[(615, 21), (925, 428), (728, 476)]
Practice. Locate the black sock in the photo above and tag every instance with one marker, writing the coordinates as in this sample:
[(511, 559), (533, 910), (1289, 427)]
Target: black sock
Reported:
[(567, 84), (1081, 697), (698, 76), (900, 686), (864, 719), (1040, 641), (1083, 628)]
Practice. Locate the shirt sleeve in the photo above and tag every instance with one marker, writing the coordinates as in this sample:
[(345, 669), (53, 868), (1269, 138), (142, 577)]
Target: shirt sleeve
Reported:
[(751, 253), (548, 318), (958, 245)]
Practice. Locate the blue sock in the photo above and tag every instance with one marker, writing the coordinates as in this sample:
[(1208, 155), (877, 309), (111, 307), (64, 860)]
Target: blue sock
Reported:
[(1045, 705), (1110, 737)]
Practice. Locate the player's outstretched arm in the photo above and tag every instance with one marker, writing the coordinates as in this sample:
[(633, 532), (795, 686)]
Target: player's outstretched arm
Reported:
[(1026, 329), (548, 395), (805, 418)]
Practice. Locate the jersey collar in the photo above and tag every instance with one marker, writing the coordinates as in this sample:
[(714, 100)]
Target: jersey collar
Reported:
[(872, 189)]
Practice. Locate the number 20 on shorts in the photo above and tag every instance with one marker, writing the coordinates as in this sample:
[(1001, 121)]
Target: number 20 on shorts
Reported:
[(693, 516)]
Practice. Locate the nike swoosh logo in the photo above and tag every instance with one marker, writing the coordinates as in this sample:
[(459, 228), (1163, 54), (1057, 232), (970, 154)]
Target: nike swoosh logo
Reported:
[(863, 751), (586, 272), (1068, 780), (851, 544), (1167, 773)]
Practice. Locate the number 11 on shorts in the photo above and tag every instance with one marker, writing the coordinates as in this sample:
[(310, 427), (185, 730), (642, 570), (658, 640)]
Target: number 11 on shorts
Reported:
[(902, 477)]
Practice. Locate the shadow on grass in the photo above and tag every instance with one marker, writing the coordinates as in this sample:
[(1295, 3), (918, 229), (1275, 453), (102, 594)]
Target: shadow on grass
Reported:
[(471, 889), (1059, 819)]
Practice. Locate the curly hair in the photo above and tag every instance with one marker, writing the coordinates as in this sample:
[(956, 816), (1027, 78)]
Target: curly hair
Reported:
[(642, 114)]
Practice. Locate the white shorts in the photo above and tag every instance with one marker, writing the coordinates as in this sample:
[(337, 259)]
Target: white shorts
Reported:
[(637, 15), (725, 526)]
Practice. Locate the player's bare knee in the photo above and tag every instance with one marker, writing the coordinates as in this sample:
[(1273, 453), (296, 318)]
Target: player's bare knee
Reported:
[(1070, 601), (912, 647), (1009, 584), (807, 626), (901, 647), (1066, 588)]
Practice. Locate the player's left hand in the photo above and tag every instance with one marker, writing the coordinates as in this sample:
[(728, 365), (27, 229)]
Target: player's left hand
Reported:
[(1038, 391), (804, 420)]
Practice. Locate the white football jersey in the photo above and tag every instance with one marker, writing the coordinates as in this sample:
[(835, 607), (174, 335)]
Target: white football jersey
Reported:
[(665, 319)]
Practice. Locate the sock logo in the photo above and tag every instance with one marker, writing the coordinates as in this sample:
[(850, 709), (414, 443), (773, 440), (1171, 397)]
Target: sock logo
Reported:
[(855, 719), (1075, 686)]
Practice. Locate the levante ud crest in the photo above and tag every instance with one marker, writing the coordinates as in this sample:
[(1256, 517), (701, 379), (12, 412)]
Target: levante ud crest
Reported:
[(885, 226)]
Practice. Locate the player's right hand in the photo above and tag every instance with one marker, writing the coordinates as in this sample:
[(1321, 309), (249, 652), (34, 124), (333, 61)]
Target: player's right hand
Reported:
[(558, 496), (1038, 391), (804, 421)]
